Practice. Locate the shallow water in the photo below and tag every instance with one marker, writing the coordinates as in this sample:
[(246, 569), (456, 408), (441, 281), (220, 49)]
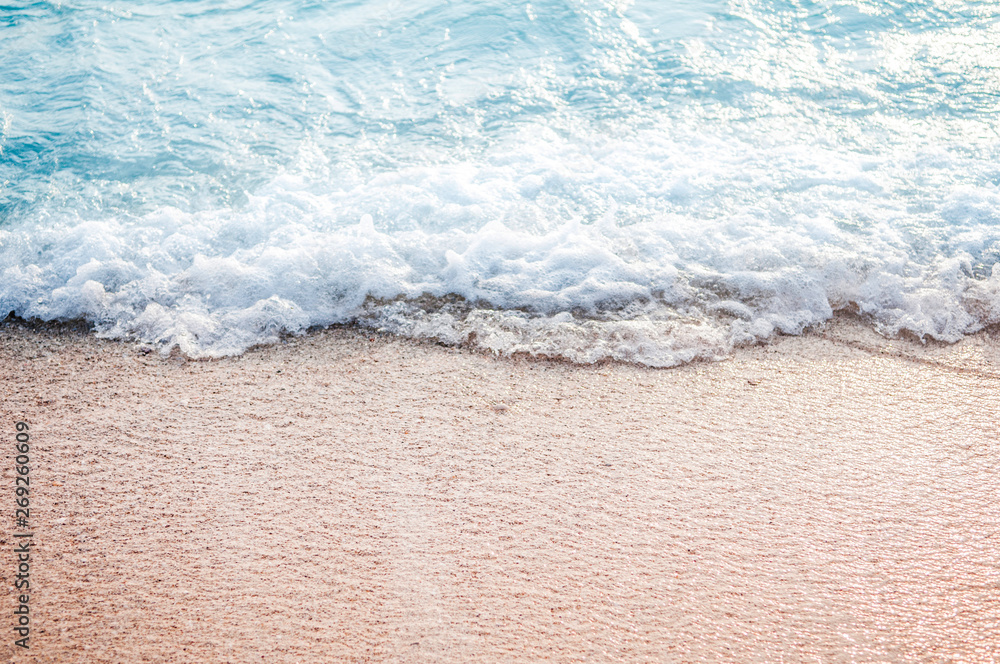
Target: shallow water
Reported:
[(577, 179)]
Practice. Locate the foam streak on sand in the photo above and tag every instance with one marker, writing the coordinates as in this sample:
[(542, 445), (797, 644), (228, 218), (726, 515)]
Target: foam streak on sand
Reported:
[(349, 498)]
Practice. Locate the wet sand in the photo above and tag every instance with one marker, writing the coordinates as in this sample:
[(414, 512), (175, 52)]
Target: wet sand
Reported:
[(343, 497)]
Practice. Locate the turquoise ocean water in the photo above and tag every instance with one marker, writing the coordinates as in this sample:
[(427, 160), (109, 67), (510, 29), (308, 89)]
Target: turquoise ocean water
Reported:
[(647, 181)]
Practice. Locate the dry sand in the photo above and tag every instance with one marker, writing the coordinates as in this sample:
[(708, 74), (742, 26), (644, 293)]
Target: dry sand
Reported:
[(828, 498)]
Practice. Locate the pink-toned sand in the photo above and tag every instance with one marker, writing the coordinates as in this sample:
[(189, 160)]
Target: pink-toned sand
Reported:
[(828, 498)]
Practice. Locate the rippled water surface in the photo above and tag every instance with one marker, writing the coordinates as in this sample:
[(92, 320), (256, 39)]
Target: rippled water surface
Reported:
[(645, 181)]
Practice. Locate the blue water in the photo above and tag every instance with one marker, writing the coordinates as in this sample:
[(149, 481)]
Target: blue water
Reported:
[(646, 181)]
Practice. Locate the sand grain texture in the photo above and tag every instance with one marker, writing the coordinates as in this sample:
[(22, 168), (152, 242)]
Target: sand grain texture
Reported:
[(834, 498)]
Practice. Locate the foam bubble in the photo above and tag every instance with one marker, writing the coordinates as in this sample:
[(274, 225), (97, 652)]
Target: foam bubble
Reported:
[(517, 268)]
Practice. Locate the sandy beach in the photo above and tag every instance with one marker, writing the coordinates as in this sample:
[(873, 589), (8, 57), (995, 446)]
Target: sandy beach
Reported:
[(349, 497)]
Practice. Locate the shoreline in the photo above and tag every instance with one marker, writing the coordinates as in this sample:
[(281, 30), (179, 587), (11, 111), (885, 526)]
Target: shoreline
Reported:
[(842, 329), (348, 496)]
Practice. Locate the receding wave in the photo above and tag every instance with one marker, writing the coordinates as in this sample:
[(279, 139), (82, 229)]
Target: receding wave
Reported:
[(604, 181)]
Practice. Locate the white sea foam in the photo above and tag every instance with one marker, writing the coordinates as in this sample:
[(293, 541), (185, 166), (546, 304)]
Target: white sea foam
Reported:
[(646, 280), (638, 181)]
